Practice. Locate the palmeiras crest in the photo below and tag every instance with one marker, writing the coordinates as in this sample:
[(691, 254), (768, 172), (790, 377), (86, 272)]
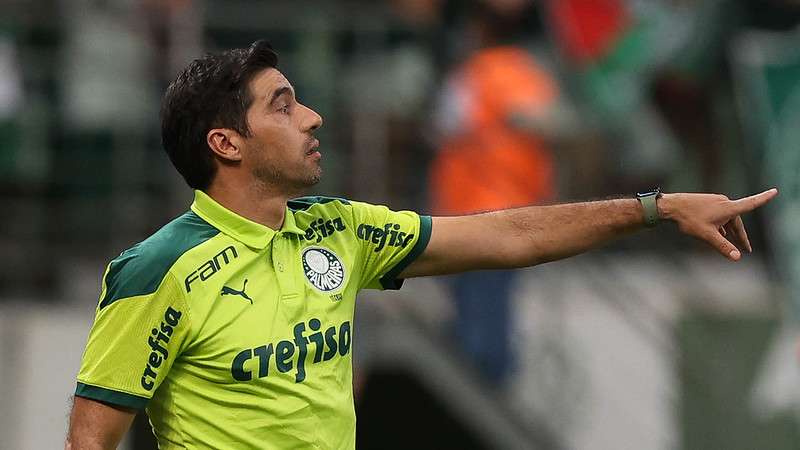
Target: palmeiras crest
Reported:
[(323, 269)]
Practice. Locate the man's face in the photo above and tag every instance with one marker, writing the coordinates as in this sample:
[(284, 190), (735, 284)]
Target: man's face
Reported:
[(281, 150)]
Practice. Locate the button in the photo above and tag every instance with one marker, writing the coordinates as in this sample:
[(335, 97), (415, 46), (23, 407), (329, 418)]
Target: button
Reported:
[(280, 267)]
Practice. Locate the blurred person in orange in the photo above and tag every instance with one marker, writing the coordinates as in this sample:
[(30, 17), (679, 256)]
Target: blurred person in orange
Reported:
[(498, 111)]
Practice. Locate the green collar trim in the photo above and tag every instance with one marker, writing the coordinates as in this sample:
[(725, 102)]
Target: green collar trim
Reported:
[(240, 228)]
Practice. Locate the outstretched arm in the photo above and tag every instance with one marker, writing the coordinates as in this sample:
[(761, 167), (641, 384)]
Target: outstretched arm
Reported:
[(96, 426), (533, 235)]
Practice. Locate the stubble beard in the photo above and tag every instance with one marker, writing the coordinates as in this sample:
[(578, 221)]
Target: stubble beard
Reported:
[(271, 177)]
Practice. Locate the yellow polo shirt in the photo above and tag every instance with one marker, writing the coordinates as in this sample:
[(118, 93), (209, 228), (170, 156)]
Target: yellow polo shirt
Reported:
[(235, 336)]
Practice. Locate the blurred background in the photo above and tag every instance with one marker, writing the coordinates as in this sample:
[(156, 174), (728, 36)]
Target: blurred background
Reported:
[(443, 107)]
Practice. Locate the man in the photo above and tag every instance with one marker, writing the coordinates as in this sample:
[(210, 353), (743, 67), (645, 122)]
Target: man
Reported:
[(232, 325)]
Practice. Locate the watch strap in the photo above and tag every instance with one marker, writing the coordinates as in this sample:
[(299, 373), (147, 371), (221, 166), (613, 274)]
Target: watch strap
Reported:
[(649, 207)]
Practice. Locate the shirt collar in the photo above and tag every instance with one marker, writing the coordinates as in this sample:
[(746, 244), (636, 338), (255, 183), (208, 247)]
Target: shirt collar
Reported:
[(240, 228)]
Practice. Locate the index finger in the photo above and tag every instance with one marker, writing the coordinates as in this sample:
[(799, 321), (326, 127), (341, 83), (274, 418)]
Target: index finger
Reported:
[(752, 202)]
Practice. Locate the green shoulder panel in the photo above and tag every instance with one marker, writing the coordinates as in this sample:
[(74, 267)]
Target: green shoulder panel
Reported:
[(140, 269), (303, 203)]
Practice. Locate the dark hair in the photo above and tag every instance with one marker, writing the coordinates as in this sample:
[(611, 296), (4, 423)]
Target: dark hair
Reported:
[(212, 92)]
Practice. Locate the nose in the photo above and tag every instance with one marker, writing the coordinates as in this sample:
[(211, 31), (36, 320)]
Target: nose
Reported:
[(314, 120)]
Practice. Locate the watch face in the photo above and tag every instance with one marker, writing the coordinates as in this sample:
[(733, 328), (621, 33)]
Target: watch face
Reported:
[(648, 194)]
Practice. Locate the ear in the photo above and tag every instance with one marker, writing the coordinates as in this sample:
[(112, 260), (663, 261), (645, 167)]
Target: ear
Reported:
[(224, 142)]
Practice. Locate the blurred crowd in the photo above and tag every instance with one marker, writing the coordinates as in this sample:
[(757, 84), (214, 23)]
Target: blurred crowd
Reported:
[(443, 106)]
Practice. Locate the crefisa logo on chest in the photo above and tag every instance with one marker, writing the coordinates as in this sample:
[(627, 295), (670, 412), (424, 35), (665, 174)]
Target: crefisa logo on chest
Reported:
[(322, 268)]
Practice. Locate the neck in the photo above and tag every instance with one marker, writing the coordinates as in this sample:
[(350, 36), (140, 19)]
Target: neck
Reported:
[(252, 202)]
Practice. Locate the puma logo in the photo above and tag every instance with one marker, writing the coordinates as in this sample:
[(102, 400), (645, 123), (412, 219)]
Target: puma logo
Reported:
[(230, 291)]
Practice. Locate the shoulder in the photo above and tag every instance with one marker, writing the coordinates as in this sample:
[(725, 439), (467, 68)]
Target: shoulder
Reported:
[(140, 269), (317, 201), (316, 207), (306, 209)]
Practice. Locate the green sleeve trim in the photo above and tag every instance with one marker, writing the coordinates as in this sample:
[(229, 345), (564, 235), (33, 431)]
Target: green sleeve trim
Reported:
[(110, 396), (390, 280)]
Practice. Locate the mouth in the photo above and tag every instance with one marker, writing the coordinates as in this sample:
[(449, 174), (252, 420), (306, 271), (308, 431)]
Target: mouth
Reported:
[(313, 146)]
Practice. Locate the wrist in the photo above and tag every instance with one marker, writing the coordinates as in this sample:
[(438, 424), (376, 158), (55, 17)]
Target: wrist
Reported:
[(665, 205)]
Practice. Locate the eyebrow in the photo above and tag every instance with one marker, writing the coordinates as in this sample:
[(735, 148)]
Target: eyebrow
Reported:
[(280, 91)]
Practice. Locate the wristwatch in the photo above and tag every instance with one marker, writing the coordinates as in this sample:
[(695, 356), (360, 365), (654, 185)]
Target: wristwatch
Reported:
[(648, 201)]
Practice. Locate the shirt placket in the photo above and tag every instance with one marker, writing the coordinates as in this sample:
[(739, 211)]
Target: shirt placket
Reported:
[(283, 260)]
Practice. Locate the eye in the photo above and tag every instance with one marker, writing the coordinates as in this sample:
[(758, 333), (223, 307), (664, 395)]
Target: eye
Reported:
[(284, 109)]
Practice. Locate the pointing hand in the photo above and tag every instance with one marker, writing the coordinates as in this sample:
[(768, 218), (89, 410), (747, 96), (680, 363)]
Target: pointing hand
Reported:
[(714, 218)]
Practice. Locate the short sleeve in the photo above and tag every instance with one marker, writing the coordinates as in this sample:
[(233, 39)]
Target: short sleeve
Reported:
[(134, 339), (389, 241)]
